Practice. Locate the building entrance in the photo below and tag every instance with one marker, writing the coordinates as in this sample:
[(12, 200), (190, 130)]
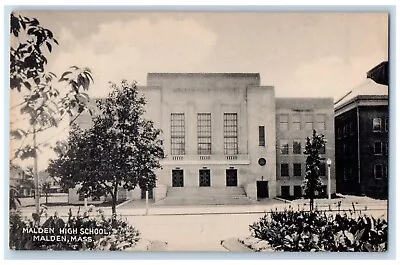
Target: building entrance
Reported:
[(177, 178), (231, 177), (204, 178), (143, 194), (262, 190)]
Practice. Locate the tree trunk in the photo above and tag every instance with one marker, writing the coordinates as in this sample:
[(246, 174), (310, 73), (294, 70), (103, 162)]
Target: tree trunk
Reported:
[(114, 204), (47, 196), (311, 204)]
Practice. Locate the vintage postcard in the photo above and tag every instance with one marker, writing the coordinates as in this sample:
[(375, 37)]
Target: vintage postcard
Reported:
[(199, 131)]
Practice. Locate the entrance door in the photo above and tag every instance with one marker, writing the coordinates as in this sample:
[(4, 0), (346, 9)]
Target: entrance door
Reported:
[(177, 178), (231, 177), (204, 178), (143, 194), (285, 191), (297, 191), (262, 190)]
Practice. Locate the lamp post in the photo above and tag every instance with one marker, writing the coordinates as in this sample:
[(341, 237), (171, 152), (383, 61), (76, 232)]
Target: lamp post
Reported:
[(329, 162)]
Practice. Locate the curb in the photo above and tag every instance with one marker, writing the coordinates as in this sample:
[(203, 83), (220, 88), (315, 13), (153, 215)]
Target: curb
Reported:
[(233, 245), (123, 203)]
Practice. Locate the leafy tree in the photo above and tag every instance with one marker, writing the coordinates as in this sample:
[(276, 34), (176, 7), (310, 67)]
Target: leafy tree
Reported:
[(312, 180), (42, 106), (121, 149)]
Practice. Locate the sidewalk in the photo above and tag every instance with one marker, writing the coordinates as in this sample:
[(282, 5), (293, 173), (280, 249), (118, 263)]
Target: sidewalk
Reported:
[(138, 208)]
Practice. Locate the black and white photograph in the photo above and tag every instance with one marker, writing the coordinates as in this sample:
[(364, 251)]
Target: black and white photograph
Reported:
[(177, 131)]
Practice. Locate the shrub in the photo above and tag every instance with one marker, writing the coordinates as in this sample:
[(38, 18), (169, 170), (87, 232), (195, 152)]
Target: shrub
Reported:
[(316, 231), (119, 235)]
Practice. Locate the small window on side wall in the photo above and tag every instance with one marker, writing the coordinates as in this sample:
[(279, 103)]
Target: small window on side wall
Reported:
[(377, 125), (386, 125), (378, 171)]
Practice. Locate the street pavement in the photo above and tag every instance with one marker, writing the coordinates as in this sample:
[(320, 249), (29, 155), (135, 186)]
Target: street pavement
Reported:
[(201, 228)]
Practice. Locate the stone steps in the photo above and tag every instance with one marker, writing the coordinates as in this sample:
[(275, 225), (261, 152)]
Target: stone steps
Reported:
[(205, 196)]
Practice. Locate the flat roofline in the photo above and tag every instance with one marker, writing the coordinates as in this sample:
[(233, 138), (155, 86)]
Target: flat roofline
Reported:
[(360, 98)]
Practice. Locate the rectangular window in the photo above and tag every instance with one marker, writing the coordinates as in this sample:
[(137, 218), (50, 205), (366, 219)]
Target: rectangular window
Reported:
[(284, 122), (230, 134), (351, 128), (387, 148), (322, 169), (296, 146), (204, 133), (308, 122), (261, 135), (377, 124), (297, 170), (339, 133), (344, 130), (284, 145), (378, 148), (296, 122), (321, 122), (378, 171), (284, 170), (386, 124), (385, 173), (177, 133)]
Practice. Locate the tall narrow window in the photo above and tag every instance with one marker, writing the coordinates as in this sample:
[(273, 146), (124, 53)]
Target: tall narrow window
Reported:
[(284, 146), (296, 122), (204, 133), (378, 148), (385, 173), (377, 124), (285, 170), (284, 122), (261, 135), (297, 169), (378, 171), (230, 134), (177, 133), (386, 124), (345, 130), (296, 146), (308, 122), (351, 128), (321, 122)]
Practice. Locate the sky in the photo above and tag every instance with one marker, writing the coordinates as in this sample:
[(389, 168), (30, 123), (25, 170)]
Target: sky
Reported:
[(300, 54)]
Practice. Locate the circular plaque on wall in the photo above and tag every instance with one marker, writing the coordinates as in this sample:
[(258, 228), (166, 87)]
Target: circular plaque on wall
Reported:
[(262, 161)]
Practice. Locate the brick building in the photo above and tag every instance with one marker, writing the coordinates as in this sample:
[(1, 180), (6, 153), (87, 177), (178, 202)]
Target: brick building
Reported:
[(361, 135)]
